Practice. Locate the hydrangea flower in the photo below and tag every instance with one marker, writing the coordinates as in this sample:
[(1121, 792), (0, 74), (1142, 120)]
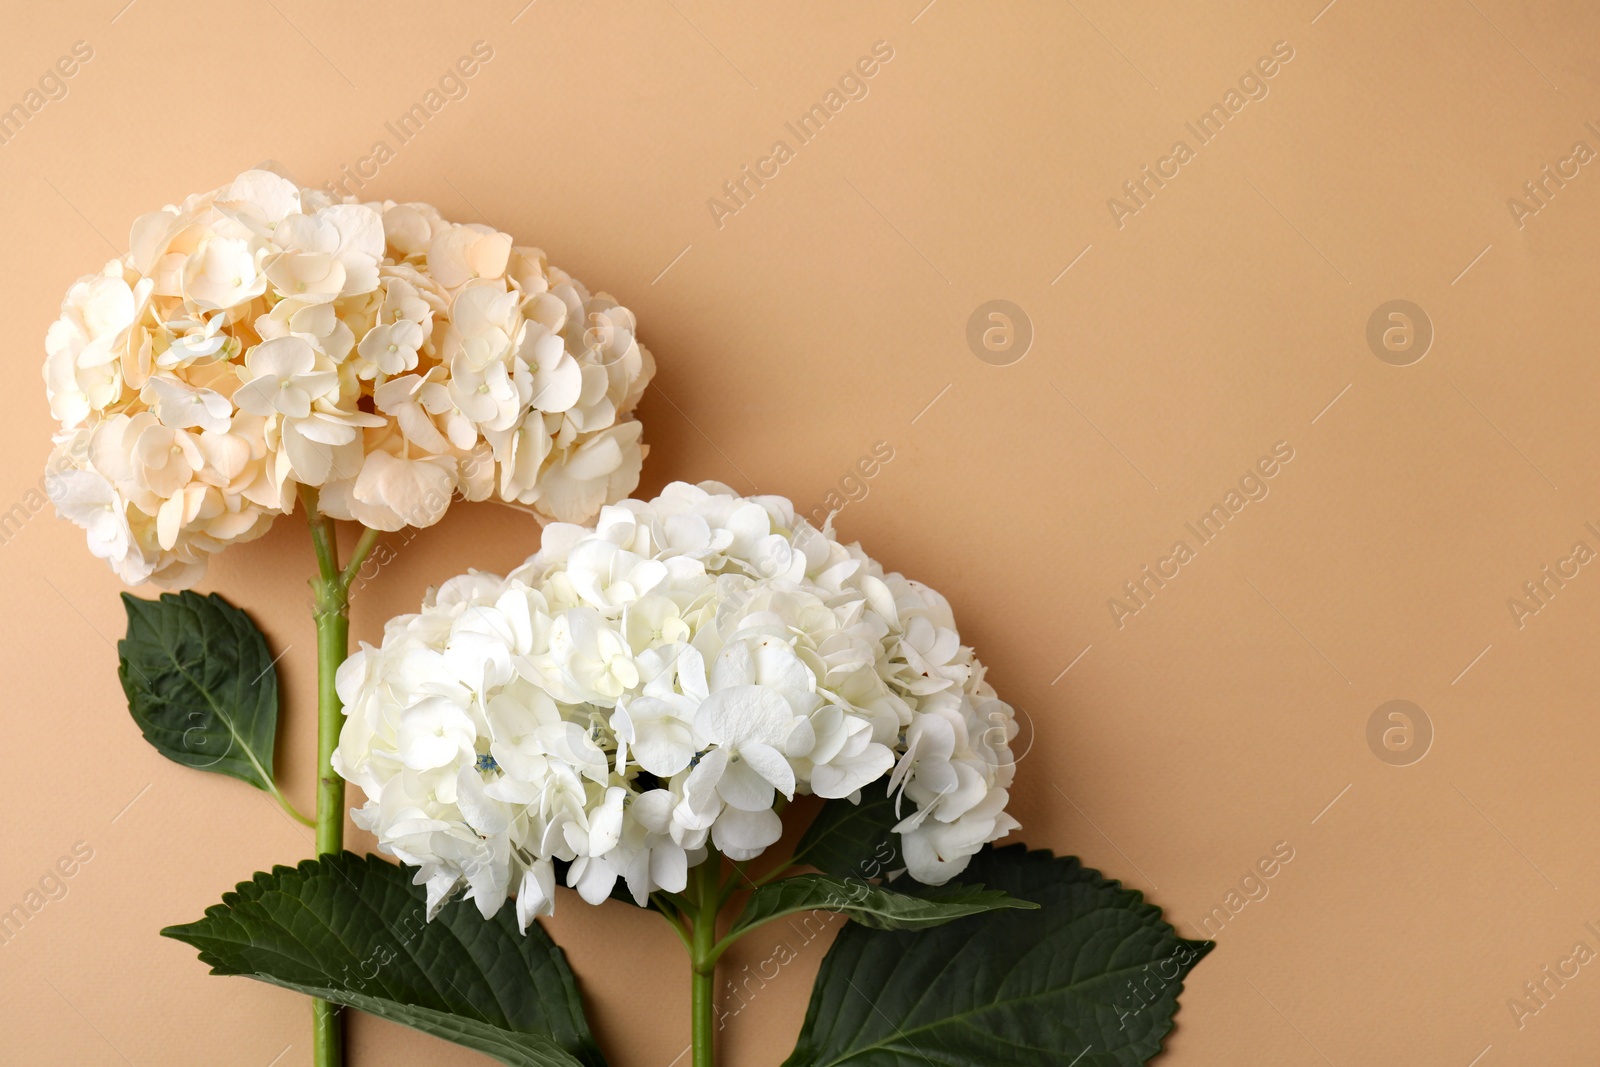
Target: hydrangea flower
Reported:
[(653, 684), (262, 337)]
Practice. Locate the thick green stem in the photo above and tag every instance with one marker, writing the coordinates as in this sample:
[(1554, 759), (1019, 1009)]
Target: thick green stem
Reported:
[(331, 605), (333, 645), (706, 893), (327, 1034)]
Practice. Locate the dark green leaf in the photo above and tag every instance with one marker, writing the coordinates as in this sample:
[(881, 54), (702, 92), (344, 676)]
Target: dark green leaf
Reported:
[(201, 685), (1091, 978), (853, 840), (871, 905), (352, 931)]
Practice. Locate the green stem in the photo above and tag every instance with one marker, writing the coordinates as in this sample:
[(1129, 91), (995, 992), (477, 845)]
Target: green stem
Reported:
[(732, 885), (333, 645), (673, 917), (322, 536), (327, 1034), (331, 606), (283, 802), (364, 547), (706, 892), (777, 872)]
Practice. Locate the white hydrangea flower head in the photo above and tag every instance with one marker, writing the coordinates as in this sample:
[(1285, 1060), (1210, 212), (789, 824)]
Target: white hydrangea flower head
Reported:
[(654, 683), (263, 337)]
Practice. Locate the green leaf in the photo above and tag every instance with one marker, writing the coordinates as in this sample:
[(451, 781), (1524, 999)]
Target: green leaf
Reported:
[(201, 685), (1091, 978), (352, 931), (853, 840), (871, 905)]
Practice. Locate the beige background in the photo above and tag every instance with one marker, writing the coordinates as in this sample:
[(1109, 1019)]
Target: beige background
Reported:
[(830, 313)]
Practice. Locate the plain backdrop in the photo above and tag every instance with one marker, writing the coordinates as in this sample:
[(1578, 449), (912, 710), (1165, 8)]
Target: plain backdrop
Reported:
[(1176, 338)]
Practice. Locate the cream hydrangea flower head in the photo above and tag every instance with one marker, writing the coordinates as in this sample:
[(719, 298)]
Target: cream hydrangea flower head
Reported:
[(645, 686), (263, 337)]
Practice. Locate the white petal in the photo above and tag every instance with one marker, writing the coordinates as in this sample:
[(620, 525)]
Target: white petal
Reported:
[(744, 787), (771, 764), (744, 835), (281, 357), (744, 713), (537, 894)]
